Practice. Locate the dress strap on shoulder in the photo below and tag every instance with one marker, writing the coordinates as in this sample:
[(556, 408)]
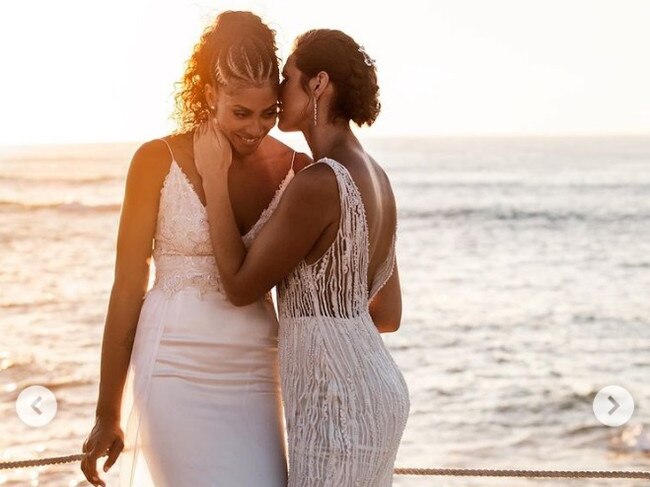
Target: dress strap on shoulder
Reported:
[(293, 158), (171, 153)]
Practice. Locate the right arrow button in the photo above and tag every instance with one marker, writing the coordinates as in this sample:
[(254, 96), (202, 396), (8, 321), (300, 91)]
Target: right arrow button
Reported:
[(616, 405), (613, 406)]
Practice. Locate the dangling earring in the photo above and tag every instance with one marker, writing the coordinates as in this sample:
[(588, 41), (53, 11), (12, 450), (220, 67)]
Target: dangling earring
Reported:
[(315, 112)]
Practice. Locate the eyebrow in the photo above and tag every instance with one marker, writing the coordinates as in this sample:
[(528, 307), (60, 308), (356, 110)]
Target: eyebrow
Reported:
[(242, 107)]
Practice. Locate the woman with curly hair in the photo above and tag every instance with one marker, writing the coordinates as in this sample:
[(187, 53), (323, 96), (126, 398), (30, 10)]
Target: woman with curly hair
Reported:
[(189, 384), (330, 249)]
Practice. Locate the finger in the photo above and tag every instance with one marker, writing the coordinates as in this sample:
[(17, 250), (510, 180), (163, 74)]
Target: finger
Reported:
[(87, 468), (215, 127), (113, 452), (91, 461), (214, 131)]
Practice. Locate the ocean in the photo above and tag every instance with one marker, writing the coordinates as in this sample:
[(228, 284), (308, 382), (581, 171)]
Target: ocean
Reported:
[(525, 267)]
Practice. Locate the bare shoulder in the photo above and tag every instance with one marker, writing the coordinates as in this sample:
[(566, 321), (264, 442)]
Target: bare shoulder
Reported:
[(383, 178), (318, 179), (378, 168), (150, 163), (301, 160), (314, 190)]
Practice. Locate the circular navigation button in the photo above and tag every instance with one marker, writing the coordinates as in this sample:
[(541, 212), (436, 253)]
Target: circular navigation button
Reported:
[(613, 406), (36, 406)]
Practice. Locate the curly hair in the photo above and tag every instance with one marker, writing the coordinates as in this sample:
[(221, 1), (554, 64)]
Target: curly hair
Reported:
[(237, 49), (350, 69)]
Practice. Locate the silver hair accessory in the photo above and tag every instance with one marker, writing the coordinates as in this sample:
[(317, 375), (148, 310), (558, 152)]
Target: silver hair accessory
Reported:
[(366, 59)]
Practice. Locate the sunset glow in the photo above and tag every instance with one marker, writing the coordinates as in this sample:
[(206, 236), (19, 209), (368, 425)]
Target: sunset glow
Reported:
[(88, 71)]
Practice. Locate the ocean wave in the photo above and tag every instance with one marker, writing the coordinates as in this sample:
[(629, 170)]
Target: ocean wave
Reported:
[(71, 181), (9, 361), (64, 206), (68, 381), (424, 183), (517, 215), (13, 303)]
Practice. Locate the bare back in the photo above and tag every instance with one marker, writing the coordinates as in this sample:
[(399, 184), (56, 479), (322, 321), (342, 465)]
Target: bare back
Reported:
[(379, 204)]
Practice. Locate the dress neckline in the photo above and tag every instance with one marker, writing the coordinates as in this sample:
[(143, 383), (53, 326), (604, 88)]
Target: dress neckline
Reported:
[(263, 216), (271, 206)]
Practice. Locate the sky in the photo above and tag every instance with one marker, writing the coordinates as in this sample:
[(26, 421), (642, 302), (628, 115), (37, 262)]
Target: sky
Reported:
[(76, 71)]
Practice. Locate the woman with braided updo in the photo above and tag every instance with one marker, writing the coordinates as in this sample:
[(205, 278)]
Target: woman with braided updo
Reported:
[(189, 383), (330, 248)]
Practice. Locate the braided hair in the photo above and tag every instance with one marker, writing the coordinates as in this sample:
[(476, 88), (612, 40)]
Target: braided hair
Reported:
[(236, 50)]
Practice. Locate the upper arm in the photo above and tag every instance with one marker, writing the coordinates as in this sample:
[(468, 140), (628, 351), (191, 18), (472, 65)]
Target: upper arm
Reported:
[(307, 208), (139, 212), (386, 305)]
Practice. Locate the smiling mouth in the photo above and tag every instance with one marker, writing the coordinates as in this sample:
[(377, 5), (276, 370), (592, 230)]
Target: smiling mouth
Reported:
[(249, 141)]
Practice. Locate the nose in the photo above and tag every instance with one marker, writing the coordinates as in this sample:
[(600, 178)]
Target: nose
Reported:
[(259, 127)]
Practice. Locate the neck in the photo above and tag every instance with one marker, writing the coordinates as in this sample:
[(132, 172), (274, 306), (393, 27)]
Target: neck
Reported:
[(324, 139), (252, 158)]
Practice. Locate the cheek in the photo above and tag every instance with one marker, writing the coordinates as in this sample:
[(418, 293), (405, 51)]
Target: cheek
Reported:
[(292, 100), (269, 123), (228, 123)]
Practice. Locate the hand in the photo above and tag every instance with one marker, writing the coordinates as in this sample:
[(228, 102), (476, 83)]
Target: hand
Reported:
[(212, 150), (106, 436)]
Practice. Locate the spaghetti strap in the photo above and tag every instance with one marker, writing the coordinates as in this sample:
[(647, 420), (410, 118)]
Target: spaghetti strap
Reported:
[(171, 153), (293, 158)]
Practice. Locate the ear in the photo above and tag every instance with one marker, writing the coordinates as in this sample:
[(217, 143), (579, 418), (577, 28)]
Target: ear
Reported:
[(211, 96), (318, 84)]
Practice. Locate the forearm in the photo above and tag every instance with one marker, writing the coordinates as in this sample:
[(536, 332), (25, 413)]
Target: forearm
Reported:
[(227, 244), (117, 344)]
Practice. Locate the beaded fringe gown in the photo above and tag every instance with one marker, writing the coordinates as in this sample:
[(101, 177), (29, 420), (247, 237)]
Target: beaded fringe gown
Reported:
[(346, 402)]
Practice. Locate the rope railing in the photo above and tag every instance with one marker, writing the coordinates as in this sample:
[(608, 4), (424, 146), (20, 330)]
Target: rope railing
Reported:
[(449, 472), (555, 474)]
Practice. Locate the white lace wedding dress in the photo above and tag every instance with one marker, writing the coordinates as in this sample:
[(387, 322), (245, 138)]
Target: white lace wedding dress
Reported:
[(202, 401), (346, 402)]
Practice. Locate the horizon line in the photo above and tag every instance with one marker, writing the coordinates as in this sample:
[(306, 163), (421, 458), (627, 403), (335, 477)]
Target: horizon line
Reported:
[(369, 136)]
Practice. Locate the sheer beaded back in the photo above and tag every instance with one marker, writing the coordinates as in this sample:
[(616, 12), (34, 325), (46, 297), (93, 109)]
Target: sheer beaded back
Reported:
[(336, 285)]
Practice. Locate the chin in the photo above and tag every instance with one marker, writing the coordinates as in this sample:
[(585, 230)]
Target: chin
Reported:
[(246, 150), (242, 148), (284, 125)]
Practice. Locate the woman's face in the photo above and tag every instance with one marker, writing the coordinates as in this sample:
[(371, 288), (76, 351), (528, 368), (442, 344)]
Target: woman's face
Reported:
[(296, 108), (246, 115)]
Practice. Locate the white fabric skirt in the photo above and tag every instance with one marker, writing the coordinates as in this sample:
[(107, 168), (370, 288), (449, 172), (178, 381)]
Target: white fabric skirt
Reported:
[(202, 403)]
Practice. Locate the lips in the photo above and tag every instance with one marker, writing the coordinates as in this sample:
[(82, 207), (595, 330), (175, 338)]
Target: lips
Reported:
[(249, 140)]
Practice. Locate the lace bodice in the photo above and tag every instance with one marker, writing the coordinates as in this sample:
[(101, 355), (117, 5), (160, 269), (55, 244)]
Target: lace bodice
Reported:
[(182, 253)]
